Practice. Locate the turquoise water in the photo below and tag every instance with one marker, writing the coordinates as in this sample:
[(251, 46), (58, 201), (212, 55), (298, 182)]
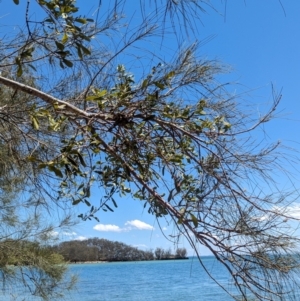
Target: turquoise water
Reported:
[(180, 280), (153, 280)]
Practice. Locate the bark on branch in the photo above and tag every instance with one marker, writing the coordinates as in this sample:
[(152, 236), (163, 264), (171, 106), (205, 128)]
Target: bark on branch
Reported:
[(44, 96)]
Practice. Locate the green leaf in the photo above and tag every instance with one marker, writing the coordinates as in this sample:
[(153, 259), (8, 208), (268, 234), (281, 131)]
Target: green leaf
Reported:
[(108, 208), (80, 186), (227, 126), (64, 38), (101, 93), (81, 159), (42, 165), (67, 63), (182, 211), (79, 52), (16, 2), (114, 202), (60, 46), (170, 74), (81, 20), (194, 220), (88, 191), (92, 97), (19, 71), (87, 203), (75, 202), (35, 122), (60, 107), (170, 195), (145, 83), (126, 189), (159, 85), (32, 158), (57, 172), (64, 184), (85, 50), (61, 65)]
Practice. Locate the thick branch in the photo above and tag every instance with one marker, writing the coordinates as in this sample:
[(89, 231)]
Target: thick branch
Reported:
[(46, 97)]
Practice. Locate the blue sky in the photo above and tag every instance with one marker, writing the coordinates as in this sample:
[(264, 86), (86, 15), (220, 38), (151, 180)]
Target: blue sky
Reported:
[(260, 42)]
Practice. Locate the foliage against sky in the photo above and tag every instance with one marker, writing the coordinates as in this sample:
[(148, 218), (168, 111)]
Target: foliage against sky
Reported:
[(164, 130)]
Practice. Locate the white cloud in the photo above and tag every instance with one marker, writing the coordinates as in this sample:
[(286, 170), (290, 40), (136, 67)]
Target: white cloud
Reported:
[(139, 225), (108, 228), (69, 233), (81, 238), (129, 225), (164, 228), (53, 233), (292, 211), (140, 246), (262, 218)]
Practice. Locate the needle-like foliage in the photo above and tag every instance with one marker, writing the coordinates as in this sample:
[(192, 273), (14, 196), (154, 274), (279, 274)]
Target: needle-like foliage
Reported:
[(170, 136)]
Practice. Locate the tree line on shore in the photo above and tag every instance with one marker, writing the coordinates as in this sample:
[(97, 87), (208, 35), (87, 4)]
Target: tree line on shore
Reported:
[(96, 249)]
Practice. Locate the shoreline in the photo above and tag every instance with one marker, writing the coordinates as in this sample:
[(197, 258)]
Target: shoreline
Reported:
[(87, 262), (108, 261)]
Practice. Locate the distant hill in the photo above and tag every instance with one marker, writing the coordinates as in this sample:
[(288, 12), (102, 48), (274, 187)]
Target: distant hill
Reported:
[(98, 249)]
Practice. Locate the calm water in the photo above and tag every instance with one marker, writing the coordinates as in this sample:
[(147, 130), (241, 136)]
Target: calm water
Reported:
[(180, 280), (152, 280)]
